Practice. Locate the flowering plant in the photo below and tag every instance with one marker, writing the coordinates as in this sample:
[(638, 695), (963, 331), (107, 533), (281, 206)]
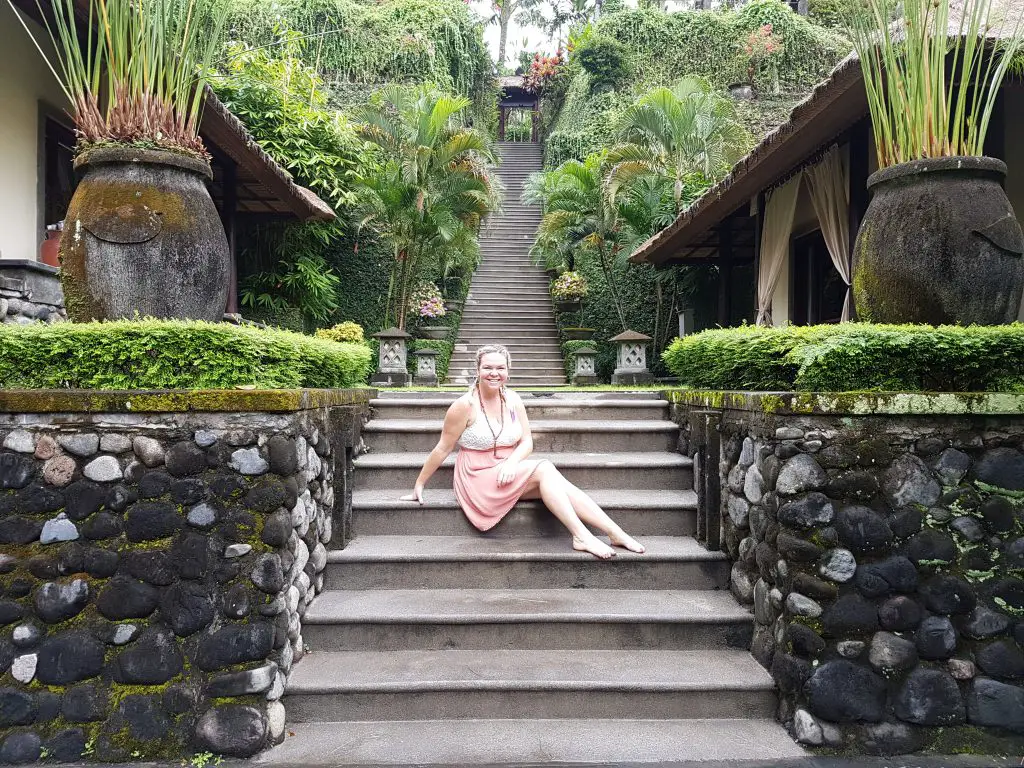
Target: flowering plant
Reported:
[(761, 49), (426, 301), (543, 69), (569, 286)]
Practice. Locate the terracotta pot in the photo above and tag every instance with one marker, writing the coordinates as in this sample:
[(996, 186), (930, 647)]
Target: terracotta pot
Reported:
[(938, 244), (142, 235), (49, 250)]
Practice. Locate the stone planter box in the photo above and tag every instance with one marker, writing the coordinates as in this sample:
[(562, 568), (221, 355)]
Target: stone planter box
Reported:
[(439, 332), (568, 305), (873, 535), (578, 334), (453, 305), (195, 526)]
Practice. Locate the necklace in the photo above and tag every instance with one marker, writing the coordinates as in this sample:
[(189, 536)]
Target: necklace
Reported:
[(487, 420)]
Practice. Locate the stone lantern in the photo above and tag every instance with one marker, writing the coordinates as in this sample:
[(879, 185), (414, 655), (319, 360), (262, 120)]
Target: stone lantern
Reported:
[(585, 372), (391, 361), (426, 367), (631, 360)]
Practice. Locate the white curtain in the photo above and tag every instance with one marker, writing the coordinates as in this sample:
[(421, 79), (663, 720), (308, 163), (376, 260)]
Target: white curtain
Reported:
[(828, 184), (776, 228)]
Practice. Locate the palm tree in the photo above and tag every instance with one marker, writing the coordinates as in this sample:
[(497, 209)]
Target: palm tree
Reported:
[(504, 11), (687, 134), (435, 184), (578, 217)]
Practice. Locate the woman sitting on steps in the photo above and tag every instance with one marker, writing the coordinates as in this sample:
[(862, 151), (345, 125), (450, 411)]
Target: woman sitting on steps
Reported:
[(492, 471)]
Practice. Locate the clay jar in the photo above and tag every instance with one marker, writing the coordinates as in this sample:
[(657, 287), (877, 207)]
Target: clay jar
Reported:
[(142, 235), (938, 244)]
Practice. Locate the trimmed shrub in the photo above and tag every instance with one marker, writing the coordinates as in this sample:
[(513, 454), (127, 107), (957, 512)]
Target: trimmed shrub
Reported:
[(173, 354), (853, 356), (343, 332), (605, 60)]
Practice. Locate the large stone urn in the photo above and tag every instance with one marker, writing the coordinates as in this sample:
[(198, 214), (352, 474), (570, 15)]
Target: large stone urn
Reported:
[(142, 235), (939, 243)]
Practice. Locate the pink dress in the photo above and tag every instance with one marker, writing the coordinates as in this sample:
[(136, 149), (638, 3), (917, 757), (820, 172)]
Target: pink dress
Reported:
[(483, 501)]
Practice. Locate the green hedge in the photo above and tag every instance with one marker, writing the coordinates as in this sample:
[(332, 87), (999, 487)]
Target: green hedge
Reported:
[(853, 356), (173, 354)]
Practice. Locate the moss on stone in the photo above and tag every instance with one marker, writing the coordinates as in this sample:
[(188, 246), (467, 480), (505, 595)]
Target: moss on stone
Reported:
[(179, 401)]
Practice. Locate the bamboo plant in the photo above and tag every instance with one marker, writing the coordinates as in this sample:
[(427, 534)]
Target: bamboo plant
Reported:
[(932, 71), (133, 71)]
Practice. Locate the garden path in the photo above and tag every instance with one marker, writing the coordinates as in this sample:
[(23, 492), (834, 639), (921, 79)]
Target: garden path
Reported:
[(508, 300), (433, 644)]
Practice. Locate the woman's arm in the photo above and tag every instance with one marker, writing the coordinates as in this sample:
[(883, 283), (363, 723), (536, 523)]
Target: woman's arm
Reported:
[(507, 472), (455, 421)]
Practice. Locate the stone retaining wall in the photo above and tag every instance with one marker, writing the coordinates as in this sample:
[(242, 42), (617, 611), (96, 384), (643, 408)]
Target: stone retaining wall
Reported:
[(30, 292), (155, 566), (880, 541)]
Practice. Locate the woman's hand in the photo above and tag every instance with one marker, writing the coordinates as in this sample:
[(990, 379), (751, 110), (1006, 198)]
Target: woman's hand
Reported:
[(416, 495), (507, 472)]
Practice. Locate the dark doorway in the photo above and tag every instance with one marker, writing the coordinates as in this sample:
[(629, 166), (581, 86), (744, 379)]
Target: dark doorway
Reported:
[(58, 157), (818, 291)]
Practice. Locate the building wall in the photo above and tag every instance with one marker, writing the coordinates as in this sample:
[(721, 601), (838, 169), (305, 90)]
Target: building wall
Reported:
[(25, 84)]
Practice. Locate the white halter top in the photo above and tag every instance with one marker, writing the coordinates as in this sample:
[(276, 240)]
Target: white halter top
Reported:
[(477, 437)]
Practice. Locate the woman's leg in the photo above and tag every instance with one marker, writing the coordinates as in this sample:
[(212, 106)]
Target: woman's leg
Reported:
[(590, 513), (547, 483)]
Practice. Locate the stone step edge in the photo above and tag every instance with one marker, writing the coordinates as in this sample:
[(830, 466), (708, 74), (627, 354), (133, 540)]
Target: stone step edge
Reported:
[(396, 548), (634, 459), (325, 673), (665, 501), (585, 606), (538, 425)]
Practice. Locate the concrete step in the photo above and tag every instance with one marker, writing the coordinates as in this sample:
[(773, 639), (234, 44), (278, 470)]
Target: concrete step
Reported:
[(648, 470), (540, 346), (394, 405), (386, 435), (450, 562), (642, 513), (402, 619), (422, 685), (535, 742)]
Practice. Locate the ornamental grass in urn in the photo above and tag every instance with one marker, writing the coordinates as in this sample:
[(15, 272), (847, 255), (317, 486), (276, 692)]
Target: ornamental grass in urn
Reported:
[(142, 234), (939, 242)]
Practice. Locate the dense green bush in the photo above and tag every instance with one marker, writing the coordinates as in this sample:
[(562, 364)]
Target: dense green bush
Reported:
[(173, 354), (853, 356), (384, 41), (346, 332), (605, 60), (664, 47)]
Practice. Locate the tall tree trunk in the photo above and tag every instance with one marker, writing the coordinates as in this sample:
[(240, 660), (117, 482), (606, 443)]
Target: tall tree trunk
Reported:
[(508, 7), (609, 278)]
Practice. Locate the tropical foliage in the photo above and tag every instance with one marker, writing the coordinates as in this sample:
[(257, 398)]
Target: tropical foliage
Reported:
[(685, 136), (140, 79), (434, 187), (673, 143), (920, 106)]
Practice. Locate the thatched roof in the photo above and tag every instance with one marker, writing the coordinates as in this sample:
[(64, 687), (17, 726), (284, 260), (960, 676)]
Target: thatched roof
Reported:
[(833, 106)]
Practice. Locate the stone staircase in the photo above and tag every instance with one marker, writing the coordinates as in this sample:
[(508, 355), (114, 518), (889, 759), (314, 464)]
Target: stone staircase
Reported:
[(508, 300), (434, 644)]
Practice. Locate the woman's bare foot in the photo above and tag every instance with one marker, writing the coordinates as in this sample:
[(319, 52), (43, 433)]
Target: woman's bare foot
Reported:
[(594, 546), (628, 542)]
